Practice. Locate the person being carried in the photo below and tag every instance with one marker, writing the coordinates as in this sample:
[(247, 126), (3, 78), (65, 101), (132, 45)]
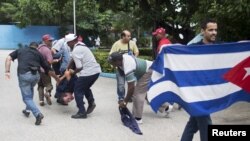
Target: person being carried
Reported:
[(65, 89)]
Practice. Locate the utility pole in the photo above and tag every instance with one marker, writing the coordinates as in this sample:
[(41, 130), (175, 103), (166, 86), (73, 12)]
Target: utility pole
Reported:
[(74, 15)]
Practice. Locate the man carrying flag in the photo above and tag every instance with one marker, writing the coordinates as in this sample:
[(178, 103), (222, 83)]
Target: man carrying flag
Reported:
[(202, 78), (195, 123)]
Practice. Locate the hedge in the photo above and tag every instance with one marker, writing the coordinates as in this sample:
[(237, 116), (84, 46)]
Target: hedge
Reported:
[(101, 58), (146, 52)]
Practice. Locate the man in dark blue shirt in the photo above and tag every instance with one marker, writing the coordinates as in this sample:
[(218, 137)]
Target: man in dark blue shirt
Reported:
[(29, 63), (209, 32)]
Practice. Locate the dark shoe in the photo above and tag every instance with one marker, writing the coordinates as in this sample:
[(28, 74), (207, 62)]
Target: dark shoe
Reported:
[(26, 113), (48, 99), (91, 108), (79, 115), (179, 107), (41, 103), (39, 118)]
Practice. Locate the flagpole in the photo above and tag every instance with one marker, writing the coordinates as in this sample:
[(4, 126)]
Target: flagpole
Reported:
[(74, 15)]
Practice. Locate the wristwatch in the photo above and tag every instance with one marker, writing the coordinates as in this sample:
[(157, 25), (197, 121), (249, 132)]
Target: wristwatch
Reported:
[(124, 103)]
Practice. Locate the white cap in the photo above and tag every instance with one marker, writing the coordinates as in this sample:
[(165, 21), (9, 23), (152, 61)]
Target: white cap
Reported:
[(70, 37)]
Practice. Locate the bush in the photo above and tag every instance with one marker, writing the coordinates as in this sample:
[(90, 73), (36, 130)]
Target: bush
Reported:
[(101, 58), (145, 52), (102, 55), (143, 42), (150, 58)]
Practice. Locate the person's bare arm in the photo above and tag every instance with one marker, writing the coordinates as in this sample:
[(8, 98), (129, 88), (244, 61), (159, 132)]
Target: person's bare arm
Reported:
[(7, 67), (130, 92), (136, 54), (52, 74), (53, 51)]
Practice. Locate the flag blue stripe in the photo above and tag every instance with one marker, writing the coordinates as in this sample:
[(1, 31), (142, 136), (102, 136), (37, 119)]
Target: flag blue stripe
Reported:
[(200, 108), (197, 78), (207, 49), (194, 78)]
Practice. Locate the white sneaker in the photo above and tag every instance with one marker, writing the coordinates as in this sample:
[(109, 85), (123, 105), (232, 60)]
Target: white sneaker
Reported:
[(170, 108), (165, 113), (139, 121)]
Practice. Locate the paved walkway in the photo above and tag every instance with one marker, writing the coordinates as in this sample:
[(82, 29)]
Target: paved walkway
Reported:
[(103, 124)]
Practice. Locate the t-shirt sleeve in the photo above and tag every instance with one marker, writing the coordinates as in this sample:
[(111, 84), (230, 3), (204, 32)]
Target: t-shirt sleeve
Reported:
[(48, 55), (76, 55), (58, 45), (13, 55), (129, 64), (113, 49), (45, 65)]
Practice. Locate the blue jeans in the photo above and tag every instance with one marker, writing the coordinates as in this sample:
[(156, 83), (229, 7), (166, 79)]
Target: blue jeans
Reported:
[(193, 125), (82, 88), (27, 81), (120, 79)]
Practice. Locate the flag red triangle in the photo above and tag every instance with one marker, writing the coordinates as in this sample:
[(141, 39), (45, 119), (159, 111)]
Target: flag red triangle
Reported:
[(240, 75)]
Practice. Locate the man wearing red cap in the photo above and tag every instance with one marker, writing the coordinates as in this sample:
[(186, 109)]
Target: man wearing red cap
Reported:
[(160, 35), (45, 79)]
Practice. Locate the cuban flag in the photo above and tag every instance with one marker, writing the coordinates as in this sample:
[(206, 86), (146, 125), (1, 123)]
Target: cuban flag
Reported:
[(201, 78)]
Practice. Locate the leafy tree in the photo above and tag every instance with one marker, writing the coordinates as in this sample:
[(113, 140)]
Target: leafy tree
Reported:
[(232, 16), (7, 12), (179, 17), (174, 15)]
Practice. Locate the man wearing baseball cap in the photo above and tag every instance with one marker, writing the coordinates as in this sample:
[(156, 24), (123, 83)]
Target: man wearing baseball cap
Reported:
[(88, 71), (45, 83), (160, 35)]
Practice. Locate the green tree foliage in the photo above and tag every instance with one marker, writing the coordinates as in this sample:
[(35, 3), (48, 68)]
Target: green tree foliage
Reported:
[(100, 16), (174, 15), (31, 12), (232, 16), (7, 12)]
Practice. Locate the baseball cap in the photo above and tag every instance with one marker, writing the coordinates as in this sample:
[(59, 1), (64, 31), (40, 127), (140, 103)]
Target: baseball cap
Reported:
[(47, 37), (70, 37), (114, 57), (159, 30)]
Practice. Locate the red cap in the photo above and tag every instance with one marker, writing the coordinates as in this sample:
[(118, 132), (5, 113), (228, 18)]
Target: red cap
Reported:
[(159, 31), (47, 37)]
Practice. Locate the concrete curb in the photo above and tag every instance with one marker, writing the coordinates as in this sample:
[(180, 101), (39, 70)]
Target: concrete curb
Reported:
[(108, 75)]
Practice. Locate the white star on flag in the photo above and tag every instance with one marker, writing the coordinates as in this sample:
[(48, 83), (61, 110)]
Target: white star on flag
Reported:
[(247, 73)]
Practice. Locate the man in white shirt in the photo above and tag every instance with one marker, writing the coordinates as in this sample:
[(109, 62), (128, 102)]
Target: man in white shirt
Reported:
[(137, 76), (88, 71)]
